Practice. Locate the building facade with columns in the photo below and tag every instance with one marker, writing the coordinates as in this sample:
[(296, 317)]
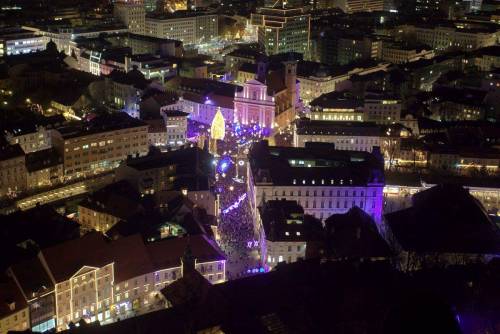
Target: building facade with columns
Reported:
[(98, 280)]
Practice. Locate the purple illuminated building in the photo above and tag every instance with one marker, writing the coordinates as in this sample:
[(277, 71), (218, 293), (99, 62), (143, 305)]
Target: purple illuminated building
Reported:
[(324, 181)]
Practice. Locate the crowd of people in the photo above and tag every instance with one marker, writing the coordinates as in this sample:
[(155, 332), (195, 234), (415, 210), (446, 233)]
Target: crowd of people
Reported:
[(237, 228)]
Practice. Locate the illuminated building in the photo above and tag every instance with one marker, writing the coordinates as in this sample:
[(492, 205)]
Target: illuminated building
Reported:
[(351, 136), (44, 169), (428, 5), (102, 209), (176, 127), (458, 104), (18, 42), (356, 6), (132, 14), (189, 27), (253, 105), (65, 36), (321, 179), (98, 280), (317, 79), (203, 98), (285, 230), (282, 30), (337, 107), (100, 145), (465, 161), (272, 97), (486, 59), (14, 314), (153, 67), (123, 90), (453, 36), (186, 170), (12, 170), (157, 131), (382, 109), (398, 53), (317, 83), (29, 136)]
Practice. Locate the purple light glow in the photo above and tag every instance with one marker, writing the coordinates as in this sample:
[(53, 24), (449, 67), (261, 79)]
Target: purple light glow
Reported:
[(235, 205)]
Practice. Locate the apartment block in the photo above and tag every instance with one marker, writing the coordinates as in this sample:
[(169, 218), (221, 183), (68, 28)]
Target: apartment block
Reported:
[(100, 145)]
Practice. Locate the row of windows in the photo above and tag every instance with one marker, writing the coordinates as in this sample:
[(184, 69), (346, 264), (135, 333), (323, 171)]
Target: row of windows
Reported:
[(323, 193)]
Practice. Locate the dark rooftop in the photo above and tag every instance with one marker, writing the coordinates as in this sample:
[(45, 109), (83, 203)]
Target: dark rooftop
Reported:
[(102, 123), (336, 100), (42, 159), (354, 234), (10, 151), (445, 219), (316, 164), (318, 127)]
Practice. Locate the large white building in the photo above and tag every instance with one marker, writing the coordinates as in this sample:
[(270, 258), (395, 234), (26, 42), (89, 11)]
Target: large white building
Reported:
[(351, 136), (382, 109), (100, 145), (187, 27), (356, 6), (17, 42), (102, 280), (454, 37), (324, 181)]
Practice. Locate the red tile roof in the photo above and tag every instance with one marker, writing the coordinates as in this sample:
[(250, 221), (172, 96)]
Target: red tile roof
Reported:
[(131, 257)]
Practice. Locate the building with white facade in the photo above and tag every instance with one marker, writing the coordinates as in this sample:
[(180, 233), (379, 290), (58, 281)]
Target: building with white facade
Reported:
[(98, 279), (253, 105), (350, 136), (321, 179), (398, 53), (176, 123), (454, 36), (284, 235), (318, 83), (382, 109), (100, 145), (30, 137), (189, 27), (356, 6), (65, 36), (14, 314), (203, 98), (337, 107), (18, 41)]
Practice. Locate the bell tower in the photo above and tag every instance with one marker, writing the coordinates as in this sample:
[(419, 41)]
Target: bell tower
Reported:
[(291, 80)]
